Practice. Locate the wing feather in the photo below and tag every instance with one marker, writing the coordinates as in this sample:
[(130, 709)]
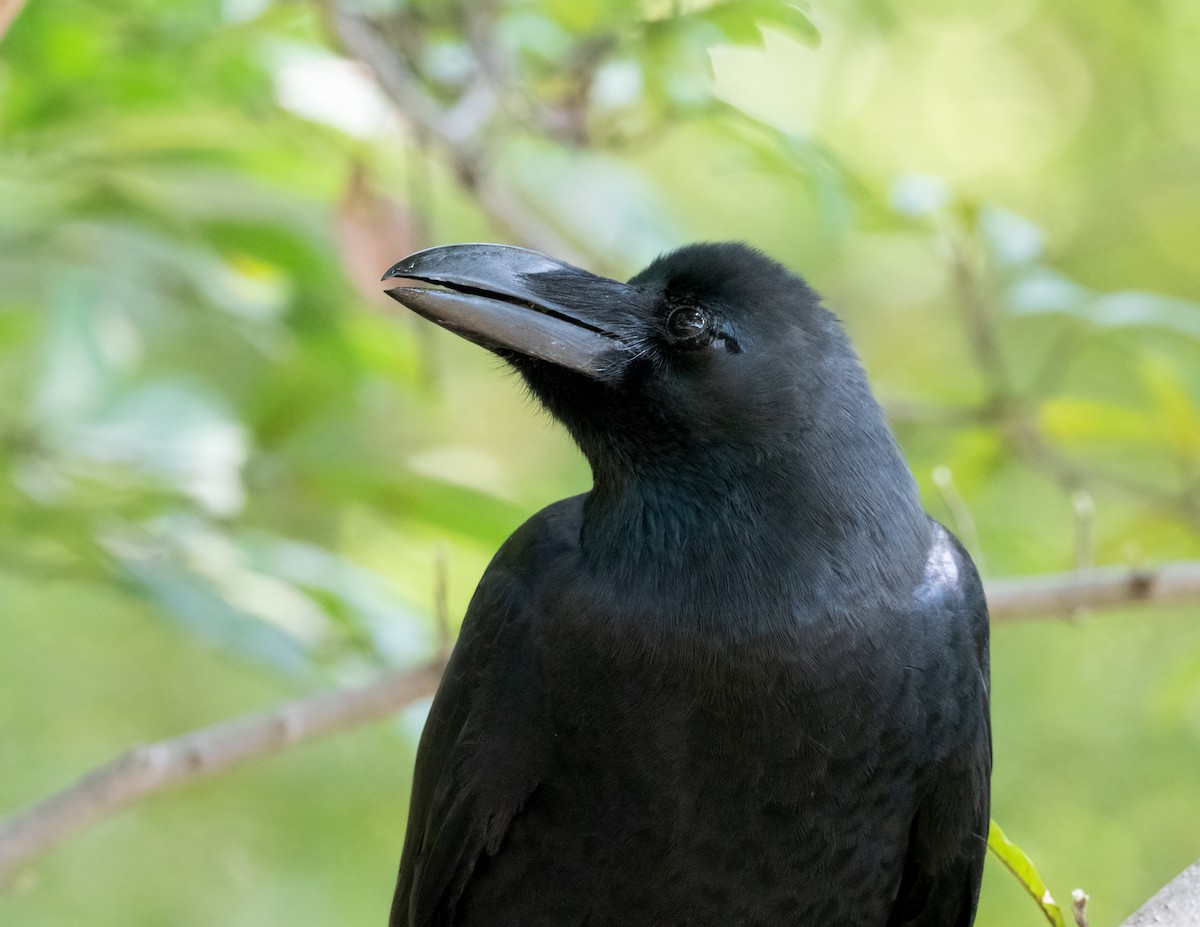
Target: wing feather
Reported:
[(948, 839), (484, 748)]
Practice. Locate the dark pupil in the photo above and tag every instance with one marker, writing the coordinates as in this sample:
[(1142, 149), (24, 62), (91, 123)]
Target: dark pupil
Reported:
[(688, 322)]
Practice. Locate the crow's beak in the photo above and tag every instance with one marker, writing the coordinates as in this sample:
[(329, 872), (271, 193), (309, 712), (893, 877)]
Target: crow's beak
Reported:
[(512, 299)]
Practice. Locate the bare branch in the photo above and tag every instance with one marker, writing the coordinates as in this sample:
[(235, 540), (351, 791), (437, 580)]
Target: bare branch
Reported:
[(1079, 907), (1176, 905), (156, 767), (1061, 595)]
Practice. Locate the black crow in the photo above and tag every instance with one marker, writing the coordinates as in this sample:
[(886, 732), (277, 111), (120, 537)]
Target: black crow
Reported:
[(743, 681)]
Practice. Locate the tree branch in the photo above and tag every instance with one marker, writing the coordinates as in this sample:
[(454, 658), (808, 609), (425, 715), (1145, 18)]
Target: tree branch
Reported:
[(156, 767), (1062, 595), (1177, 904), (146, 770)]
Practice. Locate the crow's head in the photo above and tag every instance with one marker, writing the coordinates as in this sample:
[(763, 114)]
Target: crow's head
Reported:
[(717, 401), (711, 346)]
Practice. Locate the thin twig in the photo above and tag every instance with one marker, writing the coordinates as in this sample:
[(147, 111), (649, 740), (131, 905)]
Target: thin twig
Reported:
[(979, 317), (961, 519), (1079, 904), (441, 600), (420, 202)]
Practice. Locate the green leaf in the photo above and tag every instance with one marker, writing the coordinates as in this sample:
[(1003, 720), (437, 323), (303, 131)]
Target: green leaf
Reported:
[(588, 19), (1068, 419), (1178, 418), (1043, 291), (1011, 240), (356, 597), (919, 195), (199, 606), (739, 21), (834, 187), (446, 506), (1025, 872), (1046, 292), (177, 432)]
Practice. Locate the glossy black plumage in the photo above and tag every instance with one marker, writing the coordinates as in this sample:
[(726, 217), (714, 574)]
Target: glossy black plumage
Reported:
[(744, 680)]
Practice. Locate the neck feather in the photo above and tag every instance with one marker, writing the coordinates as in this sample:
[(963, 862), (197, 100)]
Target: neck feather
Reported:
[(774, 531)]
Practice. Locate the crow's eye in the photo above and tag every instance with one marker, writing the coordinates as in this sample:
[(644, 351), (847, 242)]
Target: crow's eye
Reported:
[(688, 323)]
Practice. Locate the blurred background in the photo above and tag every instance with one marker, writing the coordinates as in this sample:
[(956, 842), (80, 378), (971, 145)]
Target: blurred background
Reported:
[(229, 468)]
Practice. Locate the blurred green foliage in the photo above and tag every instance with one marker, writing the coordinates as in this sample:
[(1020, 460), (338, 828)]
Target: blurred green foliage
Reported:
[(225, 469)]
